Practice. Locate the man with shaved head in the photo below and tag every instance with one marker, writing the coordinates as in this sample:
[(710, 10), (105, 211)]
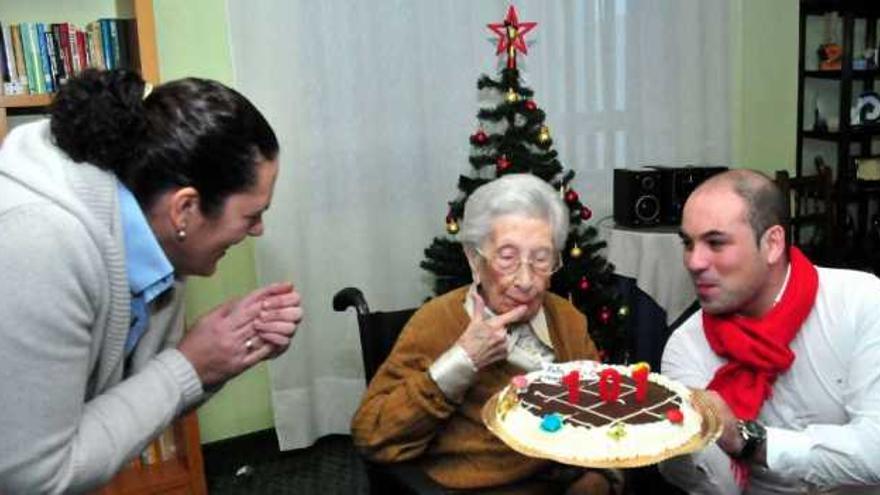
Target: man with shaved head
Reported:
[(789, 352)]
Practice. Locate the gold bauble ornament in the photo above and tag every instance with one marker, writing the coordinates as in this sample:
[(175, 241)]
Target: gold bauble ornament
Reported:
[(623, 311), (544, 134), (452, 227), (512, 97), (576, 252)]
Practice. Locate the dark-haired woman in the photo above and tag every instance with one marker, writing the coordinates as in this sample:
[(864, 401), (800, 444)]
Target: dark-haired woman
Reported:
[(104, 210)]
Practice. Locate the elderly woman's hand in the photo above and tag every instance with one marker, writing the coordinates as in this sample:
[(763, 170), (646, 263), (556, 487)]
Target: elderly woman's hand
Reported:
[(485, 339)]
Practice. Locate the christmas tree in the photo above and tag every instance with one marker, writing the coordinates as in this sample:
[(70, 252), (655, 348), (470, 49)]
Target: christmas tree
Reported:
[(513, 138)]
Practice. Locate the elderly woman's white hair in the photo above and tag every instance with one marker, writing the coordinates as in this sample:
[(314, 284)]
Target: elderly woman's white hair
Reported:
[(515, 194)]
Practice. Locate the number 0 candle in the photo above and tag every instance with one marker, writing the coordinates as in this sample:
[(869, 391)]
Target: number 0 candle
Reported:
[(609, 385)]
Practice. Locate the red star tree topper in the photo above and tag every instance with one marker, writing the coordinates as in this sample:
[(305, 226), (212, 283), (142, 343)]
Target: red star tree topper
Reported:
[(511, 36)]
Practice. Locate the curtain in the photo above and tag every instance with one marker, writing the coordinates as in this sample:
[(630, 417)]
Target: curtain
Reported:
[(373, 103)]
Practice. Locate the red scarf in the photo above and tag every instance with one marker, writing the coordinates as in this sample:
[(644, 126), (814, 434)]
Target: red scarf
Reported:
[(757, 349)]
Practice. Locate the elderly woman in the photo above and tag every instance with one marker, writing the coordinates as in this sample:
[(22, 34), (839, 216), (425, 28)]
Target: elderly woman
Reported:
[(460, 348)]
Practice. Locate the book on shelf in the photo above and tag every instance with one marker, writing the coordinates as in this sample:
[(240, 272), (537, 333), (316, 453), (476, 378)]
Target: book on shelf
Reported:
[(18, 54), (96, 44), (62, 49), (107, 44), (43, 55), (4, 67), (121, 43), (29, 45), (52, 51), (167, 442), (161, 449), (150, 455), (81, 56)]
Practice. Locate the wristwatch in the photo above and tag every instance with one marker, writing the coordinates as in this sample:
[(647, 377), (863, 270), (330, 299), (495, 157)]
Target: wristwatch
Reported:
[(753, 434)]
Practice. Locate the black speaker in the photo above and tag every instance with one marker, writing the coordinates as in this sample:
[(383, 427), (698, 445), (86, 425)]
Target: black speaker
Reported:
[(676, 184), (636, 197)]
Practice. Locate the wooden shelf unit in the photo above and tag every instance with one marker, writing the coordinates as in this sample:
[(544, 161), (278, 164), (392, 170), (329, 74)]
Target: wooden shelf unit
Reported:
[(856, 205), (184, 473), (147, 62)]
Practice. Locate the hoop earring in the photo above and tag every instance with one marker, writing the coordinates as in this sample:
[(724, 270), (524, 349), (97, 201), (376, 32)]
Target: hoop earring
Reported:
[(181, 235)]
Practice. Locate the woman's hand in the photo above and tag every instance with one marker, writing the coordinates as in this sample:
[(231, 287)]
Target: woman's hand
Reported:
[(485, 339), (279, 316), (227, 341)]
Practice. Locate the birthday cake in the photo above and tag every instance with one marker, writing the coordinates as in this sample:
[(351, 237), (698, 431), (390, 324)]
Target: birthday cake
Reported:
[(589, 414)]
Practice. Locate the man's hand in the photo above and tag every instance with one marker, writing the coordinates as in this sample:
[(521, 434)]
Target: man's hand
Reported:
[(232, 337), (485, 340), (730, 440)]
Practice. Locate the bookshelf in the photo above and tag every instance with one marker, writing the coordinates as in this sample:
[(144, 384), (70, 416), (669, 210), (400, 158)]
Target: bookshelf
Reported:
[(147, 61), (837, 139), (183, 472)]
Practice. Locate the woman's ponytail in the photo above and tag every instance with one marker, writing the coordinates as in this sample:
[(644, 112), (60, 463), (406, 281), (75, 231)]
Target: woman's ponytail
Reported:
[(98, 117)]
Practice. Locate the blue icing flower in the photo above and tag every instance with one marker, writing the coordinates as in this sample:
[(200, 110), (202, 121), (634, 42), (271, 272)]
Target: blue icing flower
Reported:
[(551, 422)]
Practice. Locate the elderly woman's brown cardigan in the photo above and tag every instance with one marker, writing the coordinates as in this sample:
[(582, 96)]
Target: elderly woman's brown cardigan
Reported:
[(404, 415)]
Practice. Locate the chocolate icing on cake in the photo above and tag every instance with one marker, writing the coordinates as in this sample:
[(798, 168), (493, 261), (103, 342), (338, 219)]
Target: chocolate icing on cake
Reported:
[(544, 398)]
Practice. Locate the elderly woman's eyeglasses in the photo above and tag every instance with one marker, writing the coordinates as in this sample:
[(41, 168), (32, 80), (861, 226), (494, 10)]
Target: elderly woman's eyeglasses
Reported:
[(508, 261)]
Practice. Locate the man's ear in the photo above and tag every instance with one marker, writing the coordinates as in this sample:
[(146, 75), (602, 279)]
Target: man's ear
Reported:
[(183, 205), (773, 244)]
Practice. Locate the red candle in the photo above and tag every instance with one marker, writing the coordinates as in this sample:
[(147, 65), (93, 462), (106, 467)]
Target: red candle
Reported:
[(640, 375), (609, 385), (573, 380)]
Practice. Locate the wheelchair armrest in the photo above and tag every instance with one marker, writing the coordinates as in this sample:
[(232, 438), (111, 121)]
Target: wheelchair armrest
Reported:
[(351, 297)]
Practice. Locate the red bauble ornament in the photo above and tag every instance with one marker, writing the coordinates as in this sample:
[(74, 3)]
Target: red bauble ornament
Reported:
[(605, 315), (531, 105), (503, 163), (586, 213), (584, 284), (480, 137), (571, 196)]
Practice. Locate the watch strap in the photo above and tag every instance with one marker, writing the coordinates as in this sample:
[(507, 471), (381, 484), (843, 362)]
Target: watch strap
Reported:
[(753, 434)]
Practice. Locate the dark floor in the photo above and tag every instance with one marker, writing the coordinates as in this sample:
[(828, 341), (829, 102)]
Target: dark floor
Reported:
[(255, 466)]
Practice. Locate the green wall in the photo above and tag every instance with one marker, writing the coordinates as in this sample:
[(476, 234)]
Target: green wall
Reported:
[(192, 39), (80, 12), (764, 38)]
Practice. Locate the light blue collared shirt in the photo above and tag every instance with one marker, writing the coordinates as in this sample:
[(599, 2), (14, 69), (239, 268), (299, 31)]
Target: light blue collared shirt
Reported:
[(149, 271)]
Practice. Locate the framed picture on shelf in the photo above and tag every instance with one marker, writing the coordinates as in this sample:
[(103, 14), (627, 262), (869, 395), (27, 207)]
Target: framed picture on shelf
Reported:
[(867, 168)]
